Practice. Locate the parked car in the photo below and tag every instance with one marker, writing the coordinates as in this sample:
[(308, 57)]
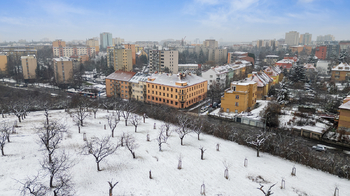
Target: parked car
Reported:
[(215, 105), (319, 148), (204, 109)]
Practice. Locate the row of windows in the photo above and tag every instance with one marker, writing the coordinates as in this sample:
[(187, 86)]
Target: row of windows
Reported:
[(171, 89), (163, 100)]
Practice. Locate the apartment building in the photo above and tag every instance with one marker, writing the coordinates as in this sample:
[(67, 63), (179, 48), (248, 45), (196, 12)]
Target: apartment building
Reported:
[(74, 51), (29, 65), (263, 82), (118, 86), (341, 72), (3, 62), (105, 40), (292, 38), (210, 43), (176, 90), (18, 52), (133, 51), (344, 115), (275, 73), (160, 60), (63, 69), (321, 52), (241, 96), (120, 58), (139, 86), (305, 39), (93, 43)]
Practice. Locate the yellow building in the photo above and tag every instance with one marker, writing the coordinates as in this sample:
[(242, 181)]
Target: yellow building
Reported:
[(344, 116), (299, 49), (93, 43), (263, 81), (133, 52), (341, 72), (3, 62), (120, 58), (117, 84), (241, 96), (178, 91), (275, 73), (63, 69), (29, 64)]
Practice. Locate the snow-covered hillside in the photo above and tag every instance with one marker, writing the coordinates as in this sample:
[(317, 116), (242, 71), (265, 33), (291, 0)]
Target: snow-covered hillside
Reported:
[(24, 155)]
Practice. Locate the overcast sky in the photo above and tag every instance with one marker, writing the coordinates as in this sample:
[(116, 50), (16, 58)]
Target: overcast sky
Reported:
[(155, 20)]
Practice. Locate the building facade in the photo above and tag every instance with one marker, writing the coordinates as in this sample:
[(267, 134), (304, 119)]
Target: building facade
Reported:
[(139, 86), (133, 51), (240, 97), (341, 72), (176, 90), (29, 65), (3, 62), (305, 39), (74, 51), (119, 58), (292, 38), (118, 86), (105, 40), (93, 43), (63, 69), (160, 60), (321, 52)]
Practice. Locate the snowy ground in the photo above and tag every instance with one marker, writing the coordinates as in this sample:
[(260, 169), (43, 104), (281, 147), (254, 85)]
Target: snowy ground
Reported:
[(24, 155)]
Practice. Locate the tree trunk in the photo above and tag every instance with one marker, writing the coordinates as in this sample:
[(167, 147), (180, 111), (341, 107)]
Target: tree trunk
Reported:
[(133, 155), (98, 166), (126, 122), (182, 141), (51, 181), (50, 158), (79, 128), (2, 151), (19, 118), (135, 129), (110, 191), (160, 146), (198, 136), (257, 152), (202, 153), (8, 138), (81, 123), (94, 115), (143, 119), (113, 134)]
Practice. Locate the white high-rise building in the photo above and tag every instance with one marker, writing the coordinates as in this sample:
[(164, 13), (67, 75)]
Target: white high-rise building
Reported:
[(292, 38)]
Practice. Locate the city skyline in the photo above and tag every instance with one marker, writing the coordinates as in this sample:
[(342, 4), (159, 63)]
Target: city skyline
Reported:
[(227, 20)]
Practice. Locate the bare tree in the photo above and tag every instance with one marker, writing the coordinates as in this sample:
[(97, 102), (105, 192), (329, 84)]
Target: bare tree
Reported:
[(131, 144), (81, 111), (50, 135), (57, 167), (127, 109), (64, 186), (184, 123), (99, 149), (135, 120), (144, 116), (258, 141), (94, 107), (33, 186), (162, 137), (6, 128), (15, 107), (113, 121), (198, 126), (268, 193), (3, 138), (111, 187)]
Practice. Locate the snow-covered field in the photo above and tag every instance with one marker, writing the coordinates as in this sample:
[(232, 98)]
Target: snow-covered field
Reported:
[(24, 154)]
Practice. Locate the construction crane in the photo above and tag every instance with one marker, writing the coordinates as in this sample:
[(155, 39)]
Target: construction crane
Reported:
[(183, 41)]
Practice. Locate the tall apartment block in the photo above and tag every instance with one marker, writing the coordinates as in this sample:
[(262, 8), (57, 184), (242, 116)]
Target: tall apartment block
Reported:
[(120, 58), (210, 43), (305, 39), (105, 40), (133, 52), (159, 60), (3, 62), (292, 38), (29, 65), (63, 69)]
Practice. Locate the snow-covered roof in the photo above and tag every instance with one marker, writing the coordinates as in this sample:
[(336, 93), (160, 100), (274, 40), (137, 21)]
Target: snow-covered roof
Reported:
[(62, 59), (139, 77), (188, 65), (261, 78), (271, 56), (345, 106), (243, 82), (121, 75), (342, 67), (310, 67), (172, 79)]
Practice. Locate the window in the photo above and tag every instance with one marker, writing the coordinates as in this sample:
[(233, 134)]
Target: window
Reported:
[(236, 104), (171, 102), (211, 76), (171, 95), (236, 111), (237, 96), (167, 101), (234, 88), (175, 96), (175, 103)]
